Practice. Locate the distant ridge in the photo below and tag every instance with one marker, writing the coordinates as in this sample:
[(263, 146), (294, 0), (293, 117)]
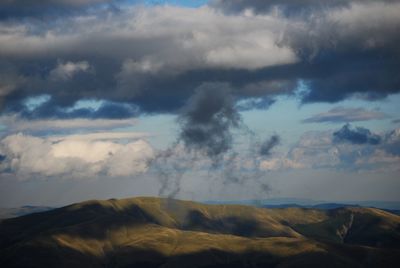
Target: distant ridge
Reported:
[(156, 232), (21, 211), (310, 203)]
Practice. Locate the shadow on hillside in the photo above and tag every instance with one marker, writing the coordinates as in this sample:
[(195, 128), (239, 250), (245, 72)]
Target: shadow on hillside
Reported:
[(94, 221), (124, 257), (91, 221), (196, 220)]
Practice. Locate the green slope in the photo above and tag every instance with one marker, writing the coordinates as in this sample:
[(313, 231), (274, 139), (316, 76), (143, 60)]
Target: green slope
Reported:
[(154, 232)]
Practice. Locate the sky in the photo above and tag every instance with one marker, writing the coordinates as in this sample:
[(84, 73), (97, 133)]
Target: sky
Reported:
[(199, 100)]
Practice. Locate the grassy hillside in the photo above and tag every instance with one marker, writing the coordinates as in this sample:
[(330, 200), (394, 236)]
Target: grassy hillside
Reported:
[(154, 232)]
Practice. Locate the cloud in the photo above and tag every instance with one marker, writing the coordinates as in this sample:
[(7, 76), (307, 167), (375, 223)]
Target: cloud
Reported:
[(31, 157), (207, 120), (321, 150), (288, 7), (47, 109), (349, 50), (282, 163), (45, 8), (155, 57), (392, 142), (99, 136), (344, 115), (205, 143), (254, 103), (16, 124), (268, 145), (151, 64), (358, 135), (67, 70)]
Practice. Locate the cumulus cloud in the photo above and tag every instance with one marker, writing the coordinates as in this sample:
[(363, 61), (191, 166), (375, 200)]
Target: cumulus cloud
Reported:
[(138, 57), (155, 57), (321, 150), (344, 115), (34, 157)]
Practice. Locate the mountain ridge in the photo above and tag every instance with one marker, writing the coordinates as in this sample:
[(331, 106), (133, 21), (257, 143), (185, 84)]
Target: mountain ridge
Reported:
[(155, 232)]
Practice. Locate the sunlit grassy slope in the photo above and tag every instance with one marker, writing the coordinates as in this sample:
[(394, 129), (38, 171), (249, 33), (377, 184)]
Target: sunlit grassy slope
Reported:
[(154, 232)]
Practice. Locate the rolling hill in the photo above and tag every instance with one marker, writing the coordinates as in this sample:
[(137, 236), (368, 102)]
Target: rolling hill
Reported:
[(155, 232)]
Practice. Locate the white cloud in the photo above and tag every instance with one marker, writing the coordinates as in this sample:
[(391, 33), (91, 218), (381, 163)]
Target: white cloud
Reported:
[(28, 156), (317, 150)]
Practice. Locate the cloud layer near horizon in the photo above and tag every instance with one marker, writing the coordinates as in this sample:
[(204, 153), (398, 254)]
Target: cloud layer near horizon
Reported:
[(151, 59), (351, 149)]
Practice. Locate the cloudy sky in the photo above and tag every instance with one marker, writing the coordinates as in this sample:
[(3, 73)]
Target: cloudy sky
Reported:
[(203, 100)]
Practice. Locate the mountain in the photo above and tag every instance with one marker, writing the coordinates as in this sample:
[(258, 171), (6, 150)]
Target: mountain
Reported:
[(310, 203), (318, 206), (21, 211), (155, 232)]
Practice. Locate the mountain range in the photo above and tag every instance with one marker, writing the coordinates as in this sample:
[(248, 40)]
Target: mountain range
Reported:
[(156, 232)]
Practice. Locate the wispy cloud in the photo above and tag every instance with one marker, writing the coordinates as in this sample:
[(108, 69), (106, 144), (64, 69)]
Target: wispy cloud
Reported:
[(344, 115), (17, 124)]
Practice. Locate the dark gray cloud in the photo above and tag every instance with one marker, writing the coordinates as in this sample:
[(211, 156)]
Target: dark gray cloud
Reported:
[(12, 9), (207, 120), (343, 115), (206, 143), (341, 53), (155, 58), (205, 134), (288, 7), (269, 144), (392, 142), (358, 135)]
